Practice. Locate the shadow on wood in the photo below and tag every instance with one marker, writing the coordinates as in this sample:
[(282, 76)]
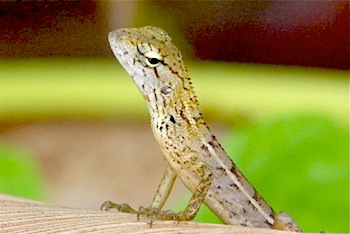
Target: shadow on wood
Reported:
[(18, 215)]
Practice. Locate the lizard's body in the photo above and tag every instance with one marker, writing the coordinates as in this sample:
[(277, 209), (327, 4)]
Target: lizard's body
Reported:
[(191, 150)]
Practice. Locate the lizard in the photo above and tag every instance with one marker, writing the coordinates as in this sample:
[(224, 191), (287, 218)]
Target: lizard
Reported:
[(191, 151)]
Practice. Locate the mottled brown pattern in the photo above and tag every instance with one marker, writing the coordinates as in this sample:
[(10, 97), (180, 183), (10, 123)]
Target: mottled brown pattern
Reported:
[(191, 150)]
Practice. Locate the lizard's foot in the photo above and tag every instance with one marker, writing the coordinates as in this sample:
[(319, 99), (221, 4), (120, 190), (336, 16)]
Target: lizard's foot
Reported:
[(154, 213), (151, 213), (125, 208)]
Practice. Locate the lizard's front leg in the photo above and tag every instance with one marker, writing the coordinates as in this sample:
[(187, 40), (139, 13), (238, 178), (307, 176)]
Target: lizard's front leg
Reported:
[(158, 201), (200, 169)]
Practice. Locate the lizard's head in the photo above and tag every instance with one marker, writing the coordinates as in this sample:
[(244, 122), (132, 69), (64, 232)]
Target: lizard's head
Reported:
[(152, 61)]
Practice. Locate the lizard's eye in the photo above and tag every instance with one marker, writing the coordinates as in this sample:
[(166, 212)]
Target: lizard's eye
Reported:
[(153, 59), (166, 90)]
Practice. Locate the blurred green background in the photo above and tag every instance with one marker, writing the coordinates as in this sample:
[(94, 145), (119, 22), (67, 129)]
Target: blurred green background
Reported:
[(286, 127)]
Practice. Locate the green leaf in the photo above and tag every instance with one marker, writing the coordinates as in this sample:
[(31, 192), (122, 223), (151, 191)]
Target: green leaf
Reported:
[(300, 165), (20, 175)]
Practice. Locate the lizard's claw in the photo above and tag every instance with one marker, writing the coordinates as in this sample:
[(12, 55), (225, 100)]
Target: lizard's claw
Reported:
[(149, 212), (125, 208)]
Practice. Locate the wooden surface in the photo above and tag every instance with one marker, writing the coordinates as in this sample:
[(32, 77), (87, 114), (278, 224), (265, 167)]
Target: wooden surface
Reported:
[(18, 215)]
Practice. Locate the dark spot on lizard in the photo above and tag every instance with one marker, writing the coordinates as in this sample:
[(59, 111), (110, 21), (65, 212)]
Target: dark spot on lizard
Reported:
[(203, 147), (184, 117), (164, 102), (211, 143), (156, 72), (184, 87), (228, 202), (173, 71), (234, 185), (155, 96), (220, 169), (198, 119), (172, 119), (236, 172), (267, 222)]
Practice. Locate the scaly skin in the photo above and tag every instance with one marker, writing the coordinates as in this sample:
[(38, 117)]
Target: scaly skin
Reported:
[(192, 152)]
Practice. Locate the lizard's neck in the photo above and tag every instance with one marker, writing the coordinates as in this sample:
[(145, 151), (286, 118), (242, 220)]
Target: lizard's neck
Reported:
[(177, 122)]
